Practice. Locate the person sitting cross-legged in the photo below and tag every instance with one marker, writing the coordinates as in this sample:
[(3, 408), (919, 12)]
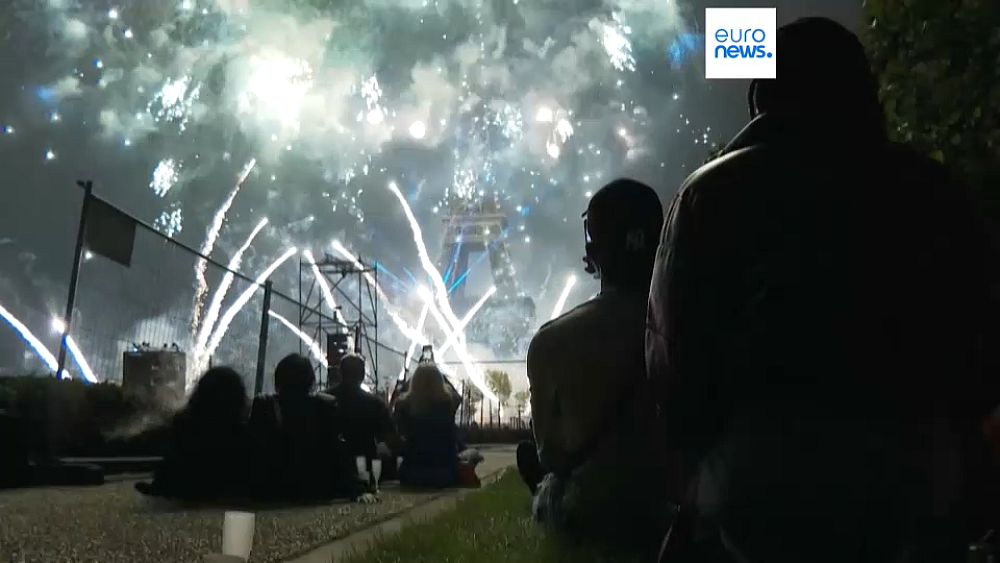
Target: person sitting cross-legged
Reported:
[(600, 472), (207, 451), (299, 449), (367, 423)]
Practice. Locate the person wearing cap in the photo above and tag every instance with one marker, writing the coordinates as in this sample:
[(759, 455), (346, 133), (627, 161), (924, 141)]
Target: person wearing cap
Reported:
[(598, 471), (817, 320)]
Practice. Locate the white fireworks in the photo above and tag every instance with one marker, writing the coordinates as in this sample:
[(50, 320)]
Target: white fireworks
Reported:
[(211, 236), (561, 302), (242, 300), (311, 344), (34, 343), (165, 176), (174, 101), (215, 305), (618, 46)]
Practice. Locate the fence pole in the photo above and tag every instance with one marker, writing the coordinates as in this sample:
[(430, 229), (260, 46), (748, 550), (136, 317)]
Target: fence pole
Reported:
[(88, 190), (262, 342)]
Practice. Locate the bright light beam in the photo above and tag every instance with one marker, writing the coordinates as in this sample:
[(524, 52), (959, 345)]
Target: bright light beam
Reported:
[(211, 236), (561, 303), (242, 300), (314, 348), (34, 343), (463, 355), (403, 327), (466, 319), (440, 291), (74, 351), (413, 343), (214, 306)]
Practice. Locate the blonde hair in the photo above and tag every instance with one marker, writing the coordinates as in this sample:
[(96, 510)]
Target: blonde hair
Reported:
[(427, 390)]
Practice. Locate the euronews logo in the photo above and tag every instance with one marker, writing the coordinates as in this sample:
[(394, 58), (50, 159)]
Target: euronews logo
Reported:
[(740, 42)]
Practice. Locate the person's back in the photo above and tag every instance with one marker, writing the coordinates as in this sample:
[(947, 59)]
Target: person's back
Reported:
[(592, 419), (426, 422), (299, 449), (365, 417), (207, 451), (813, 319)]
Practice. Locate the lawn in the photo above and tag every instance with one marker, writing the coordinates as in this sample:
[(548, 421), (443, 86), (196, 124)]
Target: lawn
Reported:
[(491, 525)]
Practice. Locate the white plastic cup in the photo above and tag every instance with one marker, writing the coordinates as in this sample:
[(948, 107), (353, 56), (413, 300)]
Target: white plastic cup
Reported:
[(377, 470), (237, 534), (362, 465)]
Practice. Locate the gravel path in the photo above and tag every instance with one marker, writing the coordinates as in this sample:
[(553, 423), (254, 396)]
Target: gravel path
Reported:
[(113, 523)]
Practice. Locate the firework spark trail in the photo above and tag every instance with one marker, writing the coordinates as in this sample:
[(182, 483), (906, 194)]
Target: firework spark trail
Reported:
[(74, 351), (324, 287), (402, 325), (413, 343), (314, 348), (471, 370), (211, 236), (440, 291), (467, 318), (561, 303), (242, 300), (81, 361), (34, 343), (215, 305)]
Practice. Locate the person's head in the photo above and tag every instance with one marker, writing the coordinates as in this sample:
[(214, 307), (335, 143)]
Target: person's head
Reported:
[(426, 389), (622, 228), (352, 370), (294, 375), (219, 395), (822, 71)]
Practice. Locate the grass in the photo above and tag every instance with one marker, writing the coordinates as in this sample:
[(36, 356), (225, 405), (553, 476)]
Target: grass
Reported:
[(491, 525)]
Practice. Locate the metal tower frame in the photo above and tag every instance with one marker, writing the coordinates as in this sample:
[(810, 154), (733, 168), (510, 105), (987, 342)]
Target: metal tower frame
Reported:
[(359, 319)]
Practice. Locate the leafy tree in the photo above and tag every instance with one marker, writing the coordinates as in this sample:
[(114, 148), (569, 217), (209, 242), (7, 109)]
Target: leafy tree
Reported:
[(499, 382), (939, 73), (521, 399)]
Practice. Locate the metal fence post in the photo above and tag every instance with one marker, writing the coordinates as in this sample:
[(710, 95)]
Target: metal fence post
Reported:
[(88, 190), (262, 342)]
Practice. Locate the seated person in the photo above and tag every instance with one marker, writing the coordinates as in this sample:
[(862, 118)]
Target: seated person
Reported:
[(366, 420), (598, 471), (425, 417), (206, 454), (299, 450)]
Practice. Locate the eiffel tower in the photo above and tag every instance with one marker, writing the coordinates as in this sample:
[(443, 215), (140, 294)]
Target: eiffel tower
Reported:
[(476, 227), (471, 228)]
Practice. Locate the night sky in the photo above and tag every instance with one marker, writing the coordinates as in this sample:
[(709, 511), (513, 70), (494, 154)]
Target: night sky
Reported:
[(162, 104)]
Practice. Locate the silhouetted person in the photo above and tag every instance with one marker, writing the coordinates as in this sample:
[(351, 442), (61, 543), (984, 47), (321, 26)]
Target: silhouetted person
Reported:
[(300, 452), (206, 456), (593, 419), (816, 322), (425, 418), (366, 418)]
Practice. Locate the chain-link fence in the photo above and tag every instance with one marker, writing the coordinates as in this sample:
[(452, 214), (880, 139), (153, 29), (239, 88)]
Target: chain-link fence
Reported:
[(151, 302)]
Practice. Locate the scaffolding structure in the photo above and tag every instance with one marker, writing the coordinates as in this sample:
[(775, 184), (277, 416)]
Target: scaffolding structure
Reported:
[(355, 319)]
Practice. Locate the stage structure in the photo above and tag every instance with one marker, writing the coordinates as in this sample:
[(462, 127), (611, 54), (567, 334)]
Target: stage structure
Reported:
[(473, 228), (353, 327)]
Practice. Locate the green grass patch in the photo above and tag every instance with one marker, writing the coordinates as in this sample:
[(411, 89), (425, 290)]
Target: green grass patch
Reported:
[(490, 525)]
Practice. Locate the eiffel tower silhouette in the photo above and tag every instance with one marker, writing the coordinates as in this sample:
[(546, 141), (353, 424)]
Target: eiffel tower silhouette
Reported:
[(472, 228)]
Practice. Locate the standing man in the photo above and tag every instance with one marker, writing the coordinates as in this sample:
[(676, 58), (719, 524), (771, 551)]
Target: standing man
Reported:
[(598, 473)]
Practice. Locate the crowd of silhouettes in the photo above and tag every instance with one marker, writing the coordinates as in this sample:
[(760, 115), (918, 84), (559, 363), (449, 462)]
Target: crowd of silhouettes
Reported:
[(302, 445), (802, 369)]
